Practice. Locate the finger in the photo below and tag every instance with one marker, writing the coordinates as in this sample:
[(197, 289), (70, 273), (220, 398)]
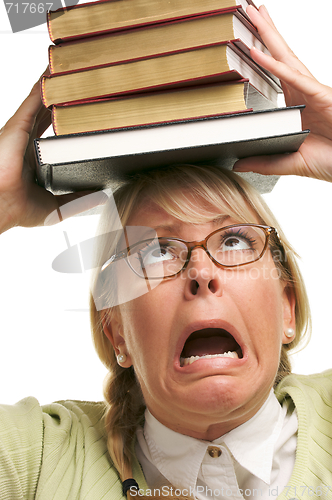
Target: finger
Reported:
[(15, 134), (43, 121), (273, 40), (290, 75), (291, 164), (264, 12), (24, 118), (287, 93), (30, 121)]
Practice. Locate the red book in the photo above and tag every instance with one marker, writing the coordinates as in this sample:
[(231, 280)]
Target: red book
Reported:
[(158, 107), (94, 18), (211, 64)]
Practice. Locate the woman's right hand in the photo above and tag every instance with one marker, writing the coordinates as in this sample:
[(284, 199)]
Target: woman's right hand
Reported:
[(22, 201), (313, 159)]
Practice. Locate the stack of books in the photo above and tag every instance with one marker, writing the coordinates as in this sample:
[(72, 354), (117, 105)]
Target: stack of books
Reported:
[(137, 62), (170, 81)]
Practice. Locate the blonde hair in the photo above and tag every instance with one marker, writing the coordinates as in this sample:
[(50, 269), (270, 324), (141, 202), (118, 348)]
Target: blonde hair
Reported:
[(191, 194)]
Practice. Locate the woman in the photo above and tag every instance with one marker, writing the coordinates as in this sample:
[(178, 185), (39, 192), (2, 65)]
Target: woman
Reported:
[(251, 315), (208, 345)]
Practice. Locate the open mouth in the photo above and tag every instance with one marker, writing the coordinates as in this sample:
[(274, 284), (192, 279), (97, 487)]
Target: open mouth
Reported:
[(209, 343)]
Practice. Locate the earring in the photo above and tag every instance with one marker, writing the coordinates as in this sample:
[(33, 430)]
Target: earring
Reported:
[(289, 333), (121, 358)]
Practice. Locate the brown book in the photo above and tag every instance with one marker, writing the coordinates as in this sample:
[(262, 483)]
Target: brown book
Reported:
[(104, 16), (138, 43), (218, 63), (158, 107)]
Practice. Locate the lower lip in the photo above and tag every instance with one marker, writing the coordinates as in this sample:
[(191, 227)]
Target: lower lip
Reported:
[(211, 363)]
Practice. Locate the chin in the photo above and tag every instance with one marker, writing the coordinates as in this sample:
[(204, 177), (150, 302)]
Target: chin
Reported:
[(226, 397)]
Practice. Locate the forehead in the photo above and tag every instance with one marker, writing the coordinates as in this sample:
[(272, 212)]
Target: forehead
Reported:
[(152, 215), (187, 210)]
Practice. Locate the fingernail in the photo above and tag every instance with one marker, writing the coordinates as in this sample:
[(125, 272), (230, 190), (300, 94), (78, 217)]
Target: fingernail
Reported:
[(265, 12), (250, 7), (253, 8), (264, 8), (241, 166)]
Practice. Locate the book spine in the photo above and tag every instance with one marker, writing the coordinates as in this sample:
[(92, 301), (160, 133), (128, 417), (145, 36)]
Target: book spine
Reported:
[(44, 170)]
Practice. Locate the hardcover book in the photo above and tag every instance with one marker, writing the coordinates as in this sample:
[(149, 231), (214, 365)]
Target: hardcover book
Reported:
[(113, 15), (105, 159), (158, 107), (212, 64)]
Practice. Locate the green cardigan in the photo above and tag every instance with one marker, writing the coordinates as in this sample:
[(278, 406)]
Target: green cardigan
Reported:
[(59, 452)]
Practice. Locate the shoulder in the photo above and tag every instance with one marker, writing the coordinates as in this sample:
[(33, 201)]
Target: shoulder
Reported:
[(315, 387), (72, 425), (61, 418), (57, 447), (21, 425), (67, 415), (312, 398)]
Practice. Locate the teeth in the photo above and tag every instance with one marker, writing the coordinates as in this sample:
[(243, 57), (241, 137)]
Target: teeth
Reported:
[(192, 359)]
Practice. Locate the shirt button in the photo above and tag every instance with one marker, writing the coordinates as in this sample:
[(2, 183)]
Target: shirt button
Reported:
[(214, 451)]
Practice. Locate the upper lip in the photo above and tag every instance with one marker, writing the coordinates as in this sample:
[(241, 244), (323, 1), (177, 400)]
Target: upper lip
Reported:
[(207, 324)]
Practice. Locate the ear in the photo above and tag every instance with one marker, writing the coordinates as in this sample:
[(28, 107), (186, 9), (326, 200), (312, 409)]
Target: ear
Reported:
[(289, 303), (113, 330)]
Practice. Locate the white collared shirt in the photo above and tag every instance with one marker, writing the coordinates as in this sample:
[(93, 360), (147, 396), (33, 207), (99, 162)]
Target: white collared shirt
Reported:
[(256, 459)]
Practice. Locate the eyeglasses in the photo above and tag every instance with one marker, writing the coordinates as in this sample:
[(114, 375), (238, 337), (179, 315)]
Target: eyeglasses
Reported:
[(231, 246)]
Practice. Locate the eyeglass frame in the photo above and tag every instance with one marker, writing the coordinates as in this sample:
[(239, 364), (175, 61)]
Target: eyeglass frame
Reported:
[(191, 245)]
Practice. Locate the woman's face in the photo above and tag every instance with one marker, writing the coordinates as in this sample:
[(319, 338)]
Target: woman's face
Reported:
[(245, 310)]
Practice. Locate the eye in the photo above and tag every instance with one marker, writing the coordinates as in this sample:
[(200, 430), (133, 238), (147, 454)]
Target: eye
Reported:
[(234, 243), (237, 240), (157, 254)]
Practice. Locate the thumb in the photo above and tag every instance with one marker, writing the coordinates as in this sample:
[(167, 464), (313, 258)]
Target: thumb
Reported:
[(283, 164)]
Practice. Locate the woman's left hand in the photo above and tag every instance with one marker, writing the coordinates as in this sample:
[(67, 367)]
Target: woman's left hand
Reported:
[(314, 158)]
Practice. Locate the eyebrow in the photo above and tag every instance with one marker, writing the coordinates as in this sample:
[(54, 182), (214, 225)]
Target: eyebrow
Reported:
[(170, 228), (220, 220), (175, 227)]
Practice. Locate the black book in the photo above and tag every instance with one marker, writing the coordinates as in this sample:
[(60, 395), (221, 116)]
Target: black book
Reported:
[(98, 160)]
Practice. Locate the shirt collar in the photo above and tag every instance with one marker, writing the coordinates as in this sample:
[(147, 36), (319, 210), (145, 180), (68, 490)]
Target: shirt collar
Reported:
[(179, 457), (176, 456)]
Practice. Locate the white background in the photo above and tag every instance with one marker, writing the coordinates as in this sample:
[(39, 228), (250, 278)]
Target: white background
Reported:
[(45, 342)]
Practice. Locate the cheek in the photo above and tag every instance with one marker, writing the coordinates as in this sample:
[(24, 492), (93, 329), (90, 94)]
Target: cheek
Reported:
[(143, 320), (260, 298)]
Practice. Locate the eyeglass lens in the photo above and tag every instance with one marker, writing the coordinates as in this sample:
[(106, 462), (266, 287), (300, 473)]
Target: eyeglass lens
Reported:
[(165, 257)]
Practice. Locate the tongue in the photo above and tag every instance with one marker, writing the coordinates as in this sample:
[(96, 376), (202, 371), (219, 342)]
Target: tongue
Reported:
[(209, 345)]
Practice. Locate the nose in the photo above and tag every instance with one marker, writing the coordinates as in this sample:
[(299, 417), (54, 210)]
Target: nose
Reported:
[(202, 276)]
